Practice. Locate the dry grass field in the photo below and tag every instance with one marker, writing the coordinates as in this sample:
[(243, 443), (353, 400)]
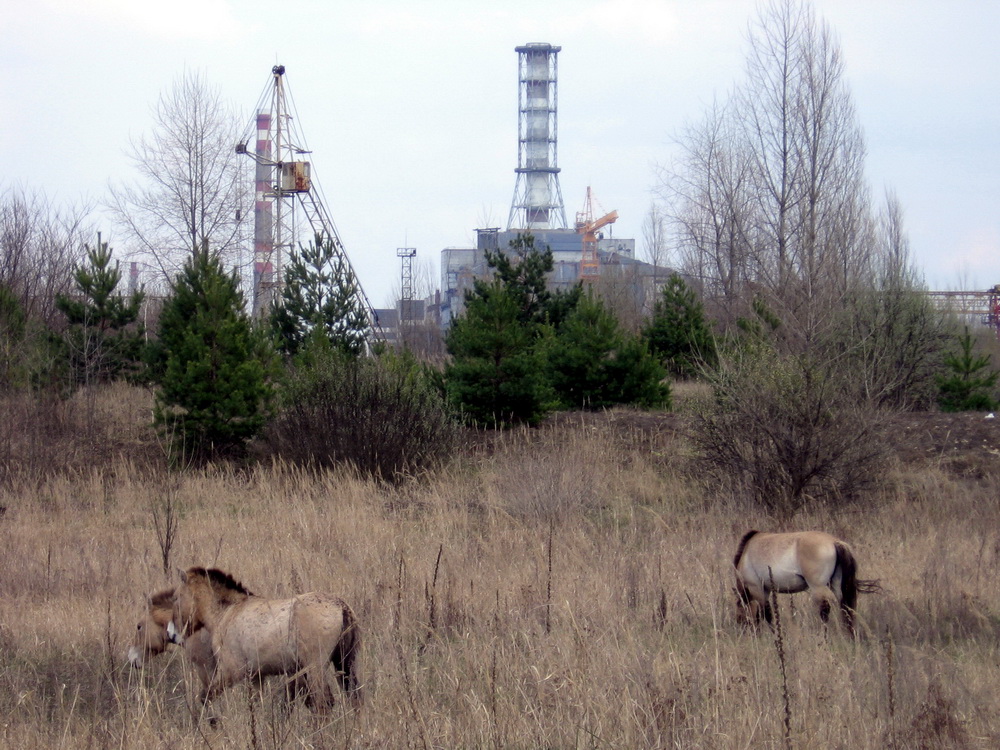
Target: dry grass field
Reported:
[(564, 587)]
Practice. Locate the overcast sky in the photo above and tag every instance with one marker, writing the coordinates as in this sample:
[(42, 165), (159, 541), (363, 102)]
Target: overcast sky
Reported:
[(410, 107)]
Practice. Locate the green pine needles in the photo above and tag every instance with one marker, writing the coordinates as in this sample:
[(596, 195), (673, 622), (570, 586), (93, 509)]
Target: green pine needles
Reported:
[(320, 298), (211, 365), (521, 351), (970, 384), (678, 333), (102, 340)]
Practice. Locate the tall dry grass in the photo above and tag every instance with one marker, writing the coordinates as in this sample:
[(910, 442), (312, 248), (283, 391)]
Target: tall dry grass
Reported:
[(568, 587)]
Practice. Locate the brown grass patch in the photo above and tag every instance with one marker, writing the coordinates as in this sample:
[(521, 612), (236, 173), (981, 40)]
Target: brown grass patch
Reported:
[(569, 587)]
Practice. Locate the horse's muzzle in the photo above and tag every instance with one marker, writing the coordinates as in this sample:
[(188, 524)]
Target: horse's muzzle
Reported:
[(174, 635)]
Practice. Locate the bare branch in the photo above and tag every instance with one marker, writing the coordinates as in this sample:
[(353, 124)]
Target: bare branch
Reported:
[(192, 189)]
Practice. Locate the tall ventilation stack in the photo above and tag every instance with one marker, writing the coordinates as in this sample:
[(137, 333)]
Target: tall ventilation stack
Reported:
[(538, 202), (263, 218)]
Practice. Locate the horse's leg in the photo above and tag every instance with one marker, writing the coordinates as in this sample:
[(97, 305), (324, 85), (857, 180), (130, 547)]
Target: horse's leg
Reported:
[(320, 696), (824, 598), (220, 680), (756, 601), (294, 687)]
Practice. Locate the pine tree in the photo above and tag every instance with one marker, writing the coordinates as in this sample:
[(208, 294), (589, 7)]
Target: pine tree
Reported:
[(319, 298), (214, 391), (522, 270), (496, 376), (971, 383), (678, 332), (102, 341), (593, 364)]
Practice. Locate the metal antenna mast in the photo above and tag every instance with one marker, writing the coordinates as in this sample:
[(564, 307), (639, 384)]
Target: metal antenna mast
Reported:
[(406, 315), (406, 276), (287, 202)]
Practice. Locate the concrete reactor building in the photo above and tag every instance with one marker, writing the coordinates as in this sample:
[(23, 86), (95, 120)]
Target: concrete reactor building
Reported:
[(581, 251)]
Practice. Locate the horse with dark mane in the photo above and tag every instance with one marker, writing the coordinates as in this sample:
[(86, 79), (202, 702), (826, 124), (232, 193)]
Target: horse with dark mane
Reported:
[(253, 636), (795, 561)]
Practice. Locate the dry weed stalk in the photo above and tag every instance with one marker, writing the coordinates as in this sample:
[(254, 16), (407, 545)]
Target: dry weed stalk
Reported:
[(890, 669), (779, 645)]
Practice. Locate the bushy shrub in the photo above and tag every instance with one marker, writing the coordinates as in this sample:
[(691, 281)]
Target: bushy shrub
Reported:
[(789, 429), (381, 416)]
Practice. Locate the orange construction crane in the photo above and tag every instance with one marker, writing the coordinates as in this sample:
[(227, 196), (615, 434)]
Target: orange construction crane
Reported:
[(587, 225)]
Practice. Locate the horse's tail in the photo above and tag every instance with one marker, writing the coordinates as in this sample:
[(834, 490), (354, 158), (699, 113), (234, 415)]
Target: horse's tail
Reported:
[(869, 586), (345, 654), (848, 582), (742, 546)]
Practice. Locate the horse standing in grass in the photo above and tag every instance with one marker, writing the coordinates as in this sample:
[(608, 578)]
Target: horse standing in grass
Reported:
[(792, 562), (256, 637), (152, 639)]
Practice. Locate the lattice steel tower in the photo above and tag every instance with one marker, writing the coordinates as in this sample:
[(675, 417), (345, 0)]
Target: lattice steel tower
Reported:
[(538, 201)]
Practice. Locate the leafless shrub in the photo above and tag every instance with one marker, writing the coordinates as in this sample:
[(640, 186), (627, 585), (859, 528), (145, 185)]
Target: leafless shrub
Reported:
[(378, 416), (165, 512), (43, 435), (786, 430)]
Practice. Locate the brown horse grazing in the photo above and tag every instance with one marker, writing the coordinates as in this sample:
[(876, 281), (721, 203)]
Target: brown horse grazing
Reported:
[(256, 637), (151, 638), (793, 562)]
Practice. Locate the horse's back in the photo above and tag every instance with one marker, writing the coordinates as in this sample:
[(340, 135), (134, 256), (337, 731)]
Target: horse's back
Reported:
[(255, 636), (793, 560), (318, 622), (273, 635)]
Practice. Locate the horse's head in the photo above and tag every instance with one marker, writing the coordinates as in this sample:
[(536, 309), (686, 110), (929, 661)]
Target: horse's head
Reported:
[(151, 631)]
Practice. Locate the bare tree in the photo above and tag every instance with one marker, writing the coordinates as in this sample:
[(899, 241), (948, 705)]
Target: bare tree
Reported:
[(656, 250), (711, 209), (193, 189), (773, 214), (807, 153), (895, 335), (625, 294), (39, 245), (769, 197)]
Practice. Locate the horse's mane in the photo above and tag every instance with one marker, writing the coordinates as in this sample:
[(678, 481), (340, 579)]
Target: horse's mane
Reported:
[(162, 599), (742, 546), (221, 579)]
